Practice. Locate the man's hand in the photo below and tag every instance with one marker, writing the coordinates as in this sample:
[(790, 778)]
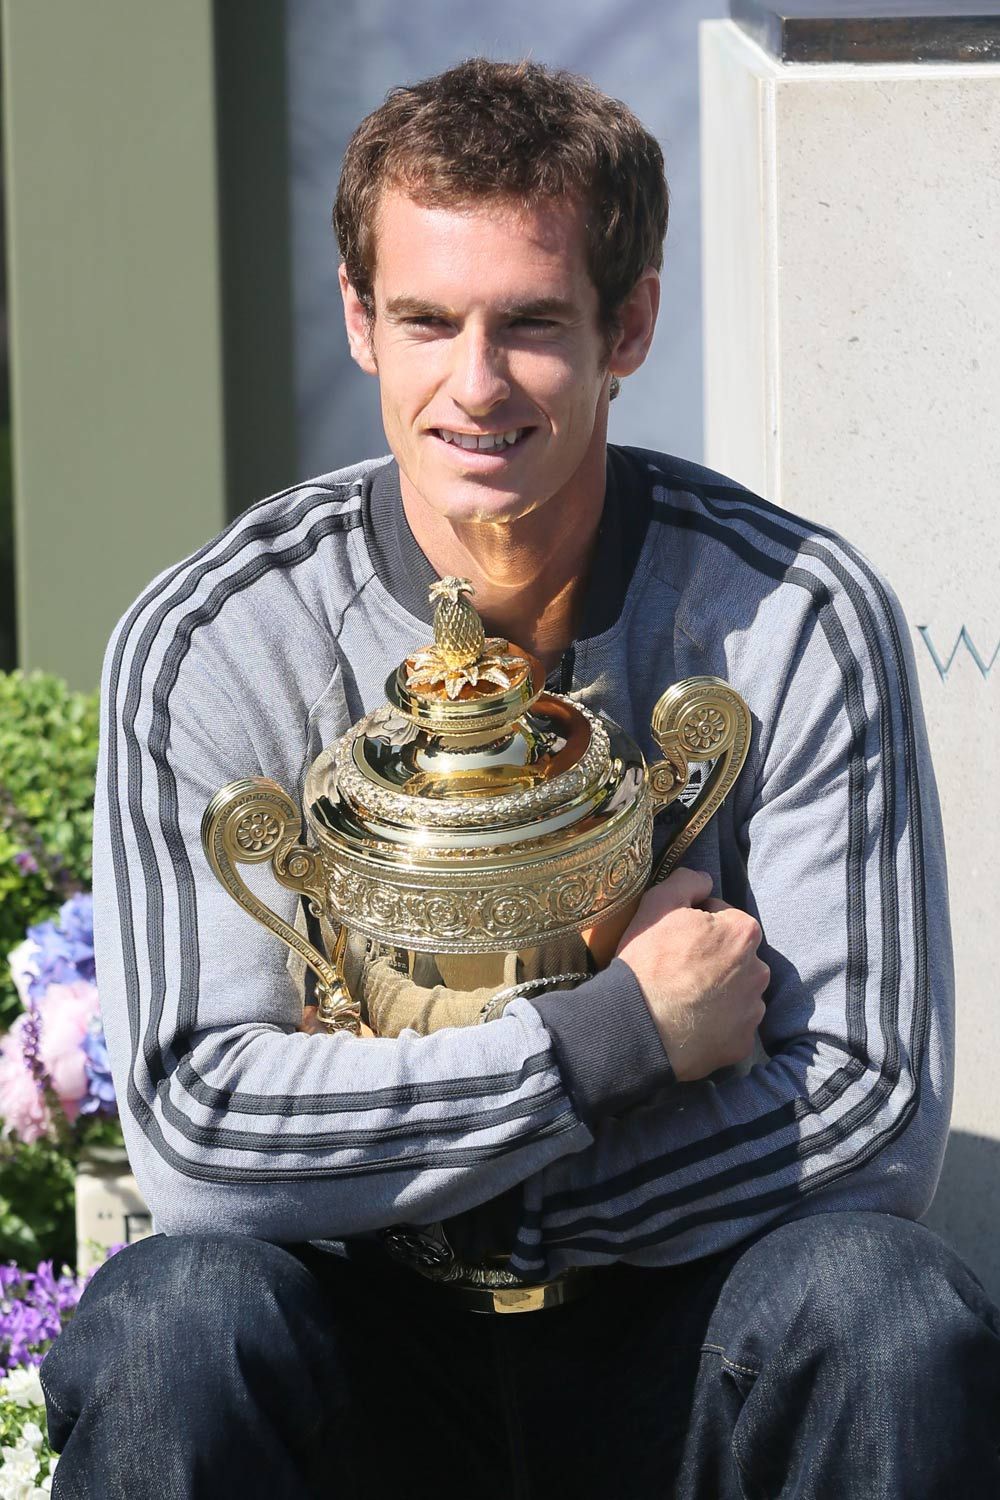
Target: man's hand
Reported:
[(696, 961)]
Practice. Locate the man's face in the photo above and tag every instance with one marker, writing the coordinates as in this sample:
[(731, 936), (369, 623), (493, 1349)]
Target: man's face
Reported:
[(490, 357)]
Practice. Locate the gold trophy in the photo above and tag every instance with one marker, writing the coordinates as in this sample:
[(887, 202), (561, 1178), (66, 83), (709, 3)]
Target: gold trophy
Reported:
[(473, 839)]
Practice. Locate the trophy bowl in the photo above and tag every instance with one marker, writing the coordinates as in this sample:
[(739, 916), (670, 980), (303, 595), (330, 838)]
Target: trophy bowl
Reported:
[(471, 832)]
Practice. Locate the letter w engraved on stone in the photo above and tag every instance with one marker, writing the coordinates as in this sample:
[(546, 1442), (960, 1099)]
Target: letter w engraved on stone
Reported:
[(962, 639)]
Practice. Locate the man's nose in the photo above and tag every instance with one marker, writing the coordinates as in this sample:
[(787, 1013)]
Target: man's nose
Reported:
[(479, 380)]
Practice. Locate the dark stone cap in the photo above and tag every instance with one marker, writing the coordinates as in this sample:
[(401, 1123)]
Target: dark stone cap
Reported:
[(860, 31)]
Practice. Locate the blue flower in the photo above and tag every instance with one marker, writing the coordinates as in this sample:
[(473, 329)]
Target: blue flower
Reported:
[(100, 1089), (65, 947), (76, 920)]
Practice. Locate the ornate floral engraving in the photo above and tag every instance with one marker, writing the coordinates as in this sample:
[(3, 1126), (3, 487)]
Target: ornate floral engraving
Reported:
[(570, 896), (664, 780), (257, 831), (704, 730), (456, 907)]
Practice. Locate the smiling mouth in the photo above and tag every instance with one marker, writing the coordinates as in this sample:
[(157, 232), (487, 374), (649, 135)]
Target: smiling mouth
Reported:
[(483, 442)]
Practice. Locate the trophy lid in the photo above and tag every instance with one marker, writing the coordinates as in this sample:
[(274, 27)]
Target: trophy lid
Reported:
[(474, 810), (466, 683)]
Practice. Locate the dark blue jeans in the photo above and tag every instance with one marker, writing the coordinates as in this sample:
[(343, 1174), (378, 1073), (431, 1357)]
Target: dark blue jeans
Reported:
[(844, 1355)]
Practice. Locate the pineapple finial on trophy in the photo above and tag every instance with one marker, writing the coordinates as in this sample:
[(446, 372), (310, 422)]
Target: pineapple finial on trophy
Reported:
[(459, 636), (462, 655)]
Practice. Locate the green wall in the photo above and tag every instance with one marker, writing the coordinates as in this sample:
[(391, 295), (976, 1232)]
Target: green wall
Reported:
[(114, 295)]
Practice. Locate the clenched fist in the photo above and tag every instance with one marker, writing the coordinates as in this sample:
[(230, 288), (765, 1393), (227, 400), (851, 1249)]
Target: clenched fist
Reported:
[(696, 962)]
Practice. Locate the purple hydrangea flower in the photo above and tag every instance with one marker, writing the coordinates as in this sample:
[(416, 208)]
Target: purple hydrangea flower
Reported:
[(76, 921), (64, 948), (100, 1089), (26, 862)]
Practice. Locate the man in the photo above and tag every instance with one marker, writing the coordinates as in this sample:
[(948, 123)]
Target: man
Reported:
[(766, 1318)]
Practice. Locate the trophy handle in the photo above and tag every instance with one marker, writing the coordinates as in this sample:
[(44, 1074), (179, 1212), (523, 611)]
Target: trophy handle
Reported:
[(700, 718), (254, 820)]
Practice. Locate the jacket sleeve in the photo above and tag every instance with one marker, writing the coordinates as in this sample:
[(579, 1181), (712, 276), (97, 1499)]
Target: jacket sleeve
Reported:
[(233, 1119), (840, 838)]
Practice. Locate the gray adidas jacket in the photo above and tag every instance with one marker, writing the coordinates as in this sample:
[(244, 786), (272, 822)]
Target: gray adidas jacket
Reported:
[(267, 644)]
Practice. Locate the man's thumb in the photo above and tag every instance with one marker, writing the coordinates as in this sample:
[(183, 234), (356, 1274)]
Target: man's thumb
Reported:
[(685, 888)]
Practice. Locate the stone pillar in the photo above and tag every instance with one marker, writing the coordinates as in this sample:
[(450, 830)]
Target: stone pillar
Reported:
[(851, 198)]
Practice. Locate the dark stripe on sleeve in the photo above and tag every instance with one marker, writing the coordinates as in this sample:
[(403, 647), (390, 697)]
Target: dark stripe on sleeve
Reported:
[(353, 1134), (438, 1159), (396, 1096)]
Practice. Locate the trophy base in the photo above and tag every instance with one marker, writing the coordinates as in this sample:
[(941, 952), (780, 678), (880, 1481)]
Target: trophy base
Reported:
[(539, 1297), (479, 1286)]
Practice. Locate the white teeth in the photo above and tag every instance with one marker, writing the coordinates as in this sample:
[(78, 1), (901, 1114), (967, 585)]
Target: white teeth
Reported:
[(488, 440)]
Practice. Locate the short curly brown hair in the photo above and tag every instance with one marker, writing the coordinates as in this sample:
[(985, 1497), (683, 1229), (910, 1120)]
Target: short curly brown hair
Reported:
[(517, 131)]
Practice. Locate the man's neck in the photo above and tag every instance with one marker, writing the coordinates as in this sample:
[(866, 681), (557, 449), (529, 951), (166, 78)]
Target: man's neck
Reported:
[(530, 575)]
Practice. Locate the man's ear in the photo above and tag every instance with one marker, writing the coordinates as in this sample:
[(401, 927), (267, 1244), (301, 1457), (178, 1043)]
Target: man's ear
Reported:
[(358, 326), (636, 320)]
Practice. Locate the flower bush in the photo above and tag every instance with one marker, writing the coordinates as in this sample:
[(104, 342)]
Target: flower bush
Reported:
[(34, 1306), (48, 756), (55, 1089), (53, 1060), (56, 1093), (26, 1460)]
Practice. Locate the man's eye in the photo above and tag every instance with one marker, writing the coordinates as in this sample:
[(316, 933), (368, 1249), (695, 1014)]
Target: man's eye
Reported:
[(540, 325), (426, 321)]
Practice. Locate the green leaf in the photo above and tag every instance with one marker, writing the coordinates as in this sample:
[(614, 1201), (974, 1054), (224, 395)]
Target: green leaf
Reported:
[(37, 1208)]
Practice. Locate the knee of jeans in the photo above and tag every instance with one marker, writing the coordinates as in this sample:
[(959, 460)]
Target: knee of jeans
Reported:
[(192, 1292), (873, 1262), (861, 1280)]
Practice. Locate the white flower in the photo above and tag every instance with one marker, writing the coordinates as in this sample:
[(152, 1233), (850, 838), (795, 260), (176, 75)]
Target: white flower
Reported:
[(22, 960), (21, 1461), (18, 1472), (23, 1386)]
